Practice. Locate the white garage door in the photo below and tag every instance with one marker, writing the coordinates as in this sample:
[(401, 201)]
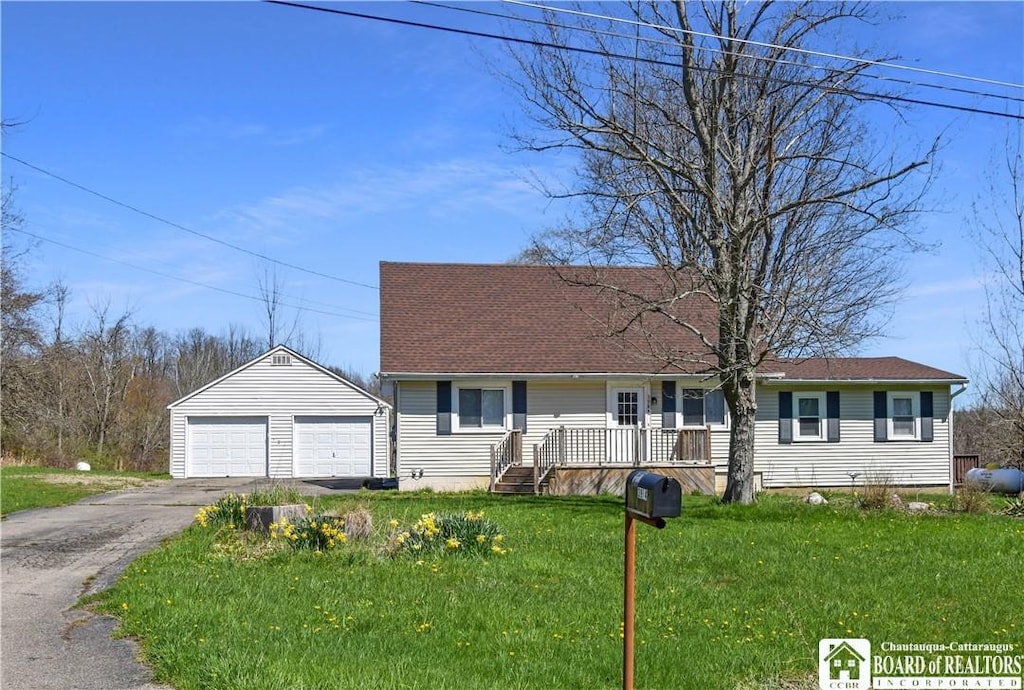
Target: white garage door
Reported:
[(227, 447), (333, 446)]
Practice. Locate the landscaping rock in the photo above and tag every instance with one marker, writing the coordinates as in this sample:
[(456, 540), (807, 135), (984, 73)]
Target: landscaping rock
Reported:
[(815, 499), (896, 502), (83, 466), (918, 507), (259, 518)]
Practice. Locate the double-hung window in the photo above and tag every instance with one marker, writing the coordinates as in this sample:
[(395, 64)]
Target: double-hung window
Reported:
[(809, 420), (481, 408), (904, 412), (703, 407)]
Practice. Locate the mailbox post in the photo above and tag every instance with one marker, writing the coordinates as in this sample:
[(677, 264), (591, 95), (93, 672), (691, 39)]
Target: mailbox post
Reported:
[(650, 498)]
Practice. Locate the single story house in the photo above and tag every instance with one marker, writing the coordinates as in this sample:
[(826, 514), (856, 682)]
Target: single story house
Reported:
[(497, 368), (280, 415)]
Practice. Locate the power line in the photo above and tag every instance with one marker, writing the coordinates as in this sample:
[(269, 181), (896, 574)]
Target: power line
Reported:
[(761, 44), (659, 41), (180, 279), (179, 226), (664, 63)]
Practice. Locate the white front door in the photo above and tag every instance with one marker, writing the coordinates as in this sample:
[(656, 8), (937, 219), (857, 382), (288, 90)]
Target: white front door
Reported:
[(627, 414)]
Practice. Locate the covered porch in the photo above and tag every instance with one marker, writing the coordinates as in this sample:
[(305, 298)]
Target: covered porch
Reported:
[(587, 460)]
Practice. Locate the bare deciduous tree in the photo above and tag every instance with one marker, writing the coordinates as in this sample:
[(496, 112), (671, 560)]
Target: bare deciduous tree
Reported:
[(742, 171), (282, 328), (999, 342), (20, 332), (106, 360)]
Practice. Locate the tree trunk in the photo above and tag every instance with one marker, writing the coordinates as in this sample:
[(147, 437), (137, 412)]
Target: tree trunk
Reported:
[(740, 396)]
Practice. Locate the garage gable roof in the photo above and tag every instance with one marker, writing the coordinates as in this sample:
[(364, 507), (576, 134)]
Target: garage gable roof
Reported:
[(278, 350)]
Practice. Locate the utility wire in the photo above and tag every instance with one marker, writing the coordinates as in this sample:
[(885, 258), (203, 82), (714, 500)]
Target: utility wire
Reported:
[(664, 63), (806, 51), (179, 226), (180, 279), (665, 42)]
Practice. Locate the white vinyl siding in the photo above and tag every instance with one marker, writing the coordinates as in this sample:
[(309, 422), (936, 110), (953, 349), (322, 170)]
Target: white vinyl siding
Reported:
[(278, 394), (549, 405), (555, 403), (831, 464)]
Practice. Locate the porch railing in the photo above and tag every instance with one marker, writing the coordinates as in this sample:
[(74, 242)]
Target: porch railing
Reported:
[(546, 456), (506, 453), (566, 446)]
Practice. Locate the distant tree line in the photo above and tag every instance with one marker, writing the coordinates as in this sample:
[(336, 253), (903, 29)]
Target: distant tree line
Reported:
[(98, 390)]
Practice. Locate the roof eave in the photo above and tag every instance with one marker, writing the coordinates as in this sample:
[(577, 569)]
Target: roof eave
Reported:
[(782, 380), (445, 375)]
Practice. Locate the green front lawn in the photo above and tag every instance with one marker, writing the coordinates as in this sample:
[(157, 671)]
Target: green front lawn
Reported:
[(24, 487), (727, 596)]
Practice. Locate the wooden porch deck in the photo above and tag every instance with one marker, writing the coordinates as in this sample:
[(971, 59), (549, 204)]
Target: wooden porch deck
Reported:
[(590, 481), (586, 461)]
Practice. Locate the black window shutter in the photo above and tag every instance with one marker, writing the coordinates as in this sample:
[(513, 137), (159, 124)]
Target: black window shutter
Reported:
[(785, 416), (714, 406), (832, 413), (881, 417), (668, 404), (444, 408), (927, 417), (519, 405)]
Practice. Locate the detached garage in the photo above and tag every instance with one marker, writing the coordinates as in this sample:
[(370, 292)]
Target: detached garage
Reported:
[(280, 415)]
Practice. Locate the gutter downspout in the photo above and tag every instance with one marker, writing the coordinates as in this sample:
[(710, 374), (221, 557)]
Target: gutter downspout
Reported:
[(963, 387)]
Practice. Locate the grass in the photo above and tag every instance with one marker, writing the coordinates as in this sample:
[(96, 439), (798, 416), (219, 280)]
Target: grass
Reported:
[(23, 487), (727, 597)]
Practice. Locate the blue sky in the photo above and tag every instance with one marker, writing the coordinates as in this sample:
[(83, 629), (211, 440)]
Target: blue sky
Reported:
[(333, 143)]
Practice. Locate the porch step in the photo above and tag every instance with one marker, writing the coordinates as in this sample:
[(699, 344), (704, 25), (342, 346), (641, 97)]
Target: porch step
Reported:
[(518, 480)]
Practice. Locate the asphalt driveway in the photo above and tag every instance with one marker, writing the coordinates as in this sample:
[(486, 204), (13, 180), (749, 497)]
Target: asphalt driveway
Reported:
[(50, 557)]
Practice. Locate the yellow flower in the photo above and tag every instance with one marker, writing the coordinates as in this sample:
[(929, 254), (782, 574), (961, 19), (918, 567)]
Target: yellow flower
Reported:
[(452, 543), (480, 538), (498, 539), (393, 523)]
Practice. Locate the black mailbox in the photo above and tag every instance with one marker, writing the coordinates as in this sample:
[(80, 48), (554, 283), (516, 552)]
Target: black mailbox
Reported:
[(653, 496)]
